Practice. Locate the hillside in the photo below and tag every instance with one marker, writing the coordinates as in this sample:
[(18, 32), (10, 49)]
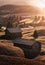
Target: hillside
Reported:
[(10, 10), (11, 60)]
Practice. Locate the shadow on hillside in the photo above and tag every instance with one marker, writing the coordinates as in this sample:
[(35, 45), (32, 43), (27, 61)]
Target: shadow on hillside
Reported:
[(42, 53), (11, 60)]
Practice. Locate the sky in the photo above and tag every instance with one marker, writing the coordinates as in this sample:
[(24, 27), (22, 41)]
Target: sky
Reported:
[(38, 3)]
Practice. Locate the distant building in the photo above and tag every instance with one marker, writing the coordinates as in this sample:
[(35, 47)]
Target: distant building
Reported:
[(13, 33)]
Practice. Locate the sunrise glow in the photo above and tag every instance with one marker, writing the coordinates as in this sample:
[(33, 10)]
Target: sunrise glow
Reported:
[(38, 3)]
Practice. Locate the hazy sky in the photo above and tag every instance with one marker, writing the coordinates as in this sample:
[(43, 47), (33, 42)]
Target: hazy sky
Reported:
[(39, 3)]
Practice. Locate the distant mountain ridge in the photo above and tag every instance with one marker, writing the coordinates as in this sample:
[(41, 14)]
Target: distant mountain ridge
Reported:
[(13, 9)]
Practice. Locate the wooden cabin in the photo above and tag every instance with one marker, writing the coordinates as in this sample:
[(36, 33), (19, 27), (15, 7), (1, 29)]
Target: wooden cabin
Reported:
[(13, 33)]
